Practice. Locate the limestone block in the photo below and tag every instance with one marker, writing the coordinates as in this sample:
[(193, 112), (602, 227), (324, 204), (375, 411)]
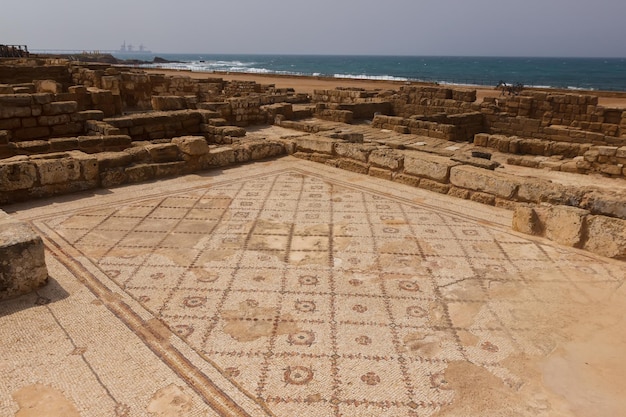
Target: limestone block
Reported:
[(608, 204), (57, 170), (90, 115), (313, 143), (9, 112), (116, 141), (48, 86), (224, 109), (572, 167), (109, 160), (113, 177), (605, 150), (354, 151), (477, 162), (90, 143), (66, 129), (22, 263), (481, 139), (169, 169), (265, 149), (477, 179), (606, 236), (563, 224), (168, 103), (5, 136), (220, 157), (525, 220), (342, 116), (192, 145), (139, 153), (407, 179), (352, 137), (435, 186), (387, 158), (538, 190), (459, 193), (77, 89), (63, 144), (12, 123), (234, 131), (88, 165), (20, 175), (433, 167), (242, 154), (53, 120), (381, 173), (612, 169), (354, 166), (163, 152), (60, 107), (15, 100), (139, 172), (32, 147), (483, 198)]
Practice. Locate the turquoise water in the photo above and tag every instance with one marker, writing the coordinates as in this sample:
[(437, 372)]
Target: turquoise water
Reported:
[(572, 73)]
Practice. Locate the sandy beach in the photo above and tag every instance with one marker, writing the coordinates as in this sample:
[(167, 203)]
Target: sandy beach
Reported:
[(305, 84)]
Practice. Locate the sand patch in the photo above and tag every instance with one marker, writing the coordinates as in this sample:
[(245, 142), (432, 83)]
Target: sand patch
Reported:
[(39, 400)]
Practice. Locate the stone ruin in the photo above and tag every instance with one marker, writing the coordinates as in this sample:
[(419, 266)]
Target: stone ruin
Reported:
[(68, 127)]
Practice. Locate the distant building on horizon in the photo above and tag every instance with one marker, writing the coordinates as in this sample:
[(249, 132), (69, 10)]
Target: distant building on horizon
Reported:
[(129, 49)]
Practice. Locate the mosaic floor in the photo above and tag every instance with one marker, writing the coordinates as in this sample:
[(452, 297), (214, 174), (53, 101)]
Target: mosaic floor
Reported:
[(314, 292)]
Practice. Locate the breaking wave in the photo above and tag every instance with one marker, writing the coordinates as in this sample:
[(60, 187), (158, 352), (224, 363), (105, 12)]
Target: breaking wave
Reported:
[(571, 73)]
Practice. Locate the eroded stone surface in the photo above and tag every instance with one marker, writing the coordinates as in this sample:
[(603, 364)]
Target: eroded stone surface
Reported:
[(22, 263)]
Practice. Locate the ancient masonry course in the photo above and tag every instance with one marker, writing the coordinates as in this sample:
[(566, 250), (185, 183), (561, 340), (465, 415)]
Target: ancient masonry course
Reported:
[(254, 250)]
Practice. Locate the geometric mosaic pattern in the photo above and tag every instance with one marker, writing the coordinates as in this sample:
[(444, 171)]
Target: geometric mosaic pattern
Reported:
[(320, 298)]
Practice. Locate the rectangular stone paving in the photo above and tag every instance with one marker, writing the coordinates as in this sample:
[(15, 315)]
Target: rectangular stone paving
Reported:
[(290, 288)]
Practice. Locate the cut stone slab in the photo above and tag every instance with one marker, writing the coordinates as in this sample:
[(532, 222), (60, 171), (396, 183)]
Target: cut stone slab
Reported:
[(22, 264)]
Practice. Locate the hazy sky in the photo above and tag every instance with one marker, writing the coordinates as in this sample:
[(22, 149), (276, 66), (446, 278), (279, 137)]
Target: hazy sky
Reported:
[(390, 27)]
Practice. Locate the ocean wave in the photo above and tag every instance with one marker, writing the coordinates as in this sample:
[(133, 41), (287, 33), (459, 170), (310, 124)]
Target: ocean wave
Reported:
[(370, 77), (207, 66), (470, 84), (462, 71)]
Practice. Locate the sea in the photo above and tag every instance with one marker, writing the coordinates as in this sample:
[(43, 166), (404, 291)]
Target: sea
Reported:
[(567, 73)]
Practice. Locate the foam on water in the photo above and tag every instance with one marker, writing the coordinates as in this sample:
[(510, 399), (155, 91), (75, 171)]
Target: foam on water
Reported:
[(571, 73), (370, 77)]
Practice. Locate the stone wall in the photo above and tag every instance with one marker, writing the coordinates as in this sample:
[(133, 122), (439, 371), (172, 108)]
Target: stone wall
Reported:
[(27, 177), (466, 177), (28, 117), (343, 96), (455, 127), (156, 125), (27, 70), (574, 227), (412, 100), (556, 117)]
